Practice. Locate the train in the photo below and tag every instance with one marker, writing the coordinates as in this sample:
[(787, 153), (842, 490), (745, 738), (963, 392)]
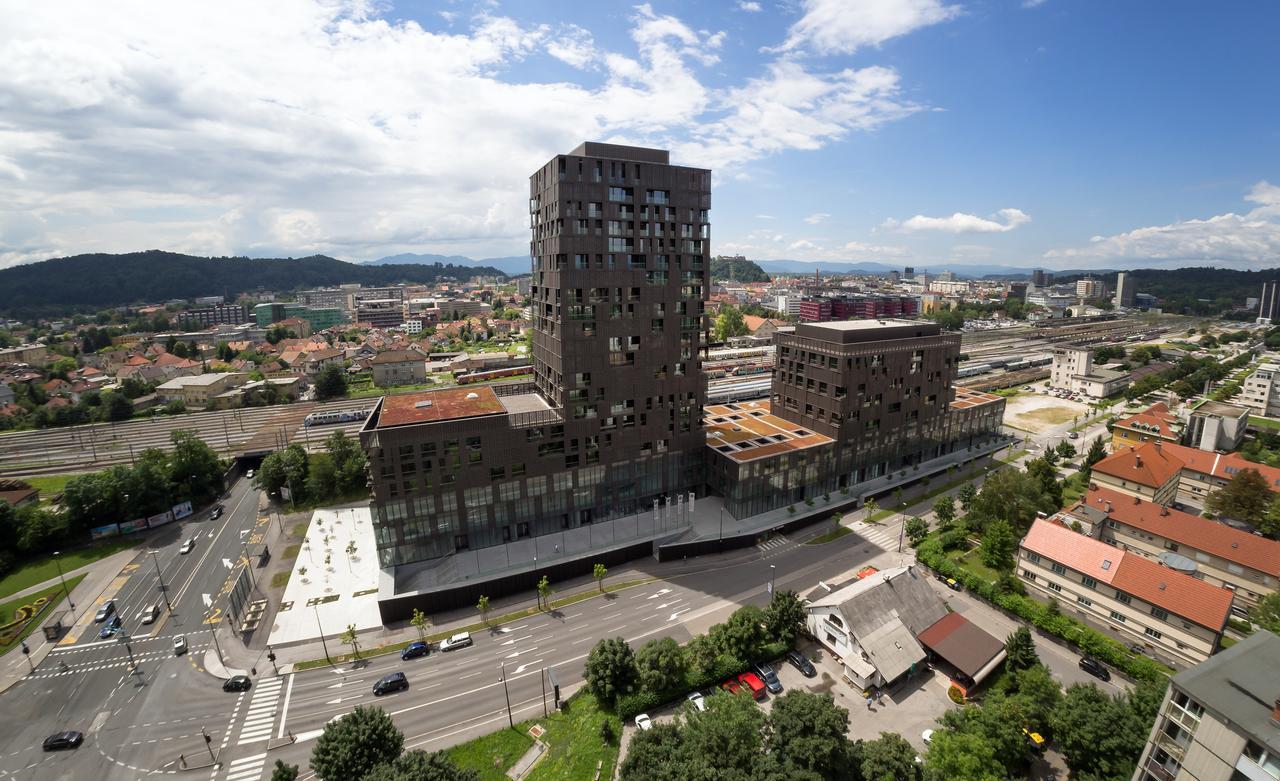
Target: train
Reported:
[(969, 371), (329, 418), (465, 378)]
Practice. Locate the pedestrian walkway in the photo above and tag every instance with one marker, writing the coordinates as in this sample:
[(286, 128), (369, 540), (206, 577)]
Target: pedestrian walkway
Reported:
[(263, 707), (773, 543), (875, 534), (246, 768)]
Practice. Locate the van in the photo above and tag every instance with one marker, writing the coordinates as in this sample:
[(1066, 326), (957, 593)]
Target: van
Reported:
[(752, 682), (390, 683)]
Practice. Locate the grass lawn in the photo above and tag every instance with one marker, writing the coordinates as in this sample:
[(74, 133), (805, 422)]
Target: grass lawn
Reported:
[(492, 754), (281, 579), (299, 529), (291, 552), (834, 534), (972, 561), (1073, 489), (1266, 423), (49, 485), (7, 611), (43, 568)]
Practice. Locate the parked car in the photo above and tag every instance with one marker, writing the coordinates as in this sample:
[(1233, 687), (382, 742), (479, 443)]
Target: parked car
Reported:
[(105, 611), (769, 677), (60, 740), (460, 640), (952, 584), (414, 650), (1073, 435), (730, 686), (801, 663), (187, 546), (697, 700), (110, 628), (237, 683), (179, 645), (1035, 739), (149, 614), (643, 722), (927, 736), (390, 683), (216, 514), (752, 682), (1094, 668)]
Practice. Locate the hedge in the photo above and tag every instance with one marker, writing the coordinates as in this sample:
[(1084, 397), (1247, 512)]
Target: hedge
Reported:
[(725, 667), (1088, 640)]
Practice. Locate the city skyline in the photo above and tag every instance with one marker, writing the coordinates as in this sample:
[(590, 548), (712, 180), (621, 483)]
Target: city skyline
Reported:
[(910, 133)]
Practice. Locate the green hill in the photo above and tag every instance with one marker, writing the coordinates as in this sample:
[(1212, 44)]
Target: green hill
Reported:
[(737, 270)]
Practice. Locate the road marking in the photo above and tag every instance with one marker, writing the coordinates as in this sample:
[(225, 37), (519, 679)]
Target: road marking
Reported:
[(659, 593), (518, 639), (616, 628), (471, 675), (678, 612), (583, 640), (284, 710), (615, 615), (525, 666), (514, 654)]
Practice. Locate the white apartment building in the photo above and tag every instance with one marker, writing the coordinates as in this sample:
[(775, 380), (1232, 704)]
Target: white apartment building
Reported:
[(1261, 391), (1073, 370), (1090, 288), (788, 305)]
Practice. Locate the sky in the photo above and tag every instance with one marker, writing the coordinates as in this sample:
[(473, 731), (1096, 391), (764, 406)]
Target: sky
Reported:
[(1030, 133)]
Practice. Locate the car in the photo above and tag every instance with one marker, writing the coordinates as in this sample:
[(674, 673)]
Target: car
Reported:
[(697, 700), (179, 645), (1073, 435), (60, 740), (393, 682), (105, 611), (927, 736), (149, 614), (1137, 648), (730, 686), (110, 628), (1035, 739), (769, 677), (952, 584), (643, 722), (460, 640), (414, 650), (216, 514), (801, 663), (1094, 668), (249, 474), (752, 682), (237, 683), (187, 546)]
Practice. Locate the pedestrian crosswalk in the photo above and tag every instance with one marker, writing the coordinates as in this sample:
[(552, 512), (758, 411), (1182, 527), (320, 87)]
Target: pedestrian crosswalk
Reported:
[(261, 716), (876, 535), (773, 543), (246, 768)]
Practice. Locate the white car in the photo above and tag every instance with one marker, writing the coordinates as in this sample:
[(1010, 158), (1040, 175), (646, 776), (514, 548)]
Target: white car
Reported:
[(644, 723), (249, 474), (697, 700), (179, 645), (460, 640), (927, 736), (187, 546), (149, 614)]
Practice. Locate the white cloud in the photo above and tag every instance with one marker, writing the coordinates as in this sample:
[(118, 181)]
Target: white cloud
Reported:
[(749, 6), (318, 126), (1249, 240), (814, 219), (1033, 3), (844, 26), (765, 217), (1002, 221)]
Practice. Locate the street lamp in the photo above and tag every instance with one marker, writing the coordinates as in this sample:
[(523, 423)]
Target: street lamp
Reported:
[(773, 572), (902, 530), (160, 577), (503, 677), (58, 563), (322, 640)]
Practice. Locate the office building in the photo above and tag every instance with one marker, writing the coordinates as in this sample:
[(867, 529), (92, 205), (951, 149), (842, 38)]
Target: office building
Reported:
[(1125, 296), (1261, 391), (1220, 720), (862, 306), (380, 312), (1073, 370), (223, 314), (787, 304), (908, 273), (1040, 279), (1269, 305), (1016, 290), (1216, 425)]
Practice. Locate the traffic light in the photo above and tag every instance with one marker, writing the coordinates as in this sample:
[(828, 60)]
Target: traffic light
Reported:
[(25, 650), (271, 655)]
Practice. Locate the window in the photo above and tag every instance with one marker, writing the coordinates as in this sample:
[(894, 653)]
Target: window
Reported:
[(1028, 575), (1053, 586), (1117, 617), (1085, 601), (1058, 568), (1034, 558), (1149, 632), (1163, 615), (1124, 598), (1088, 582)]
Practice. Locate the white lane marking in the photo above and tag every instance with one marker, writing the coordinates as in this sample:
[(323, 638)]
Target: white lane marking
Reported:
[(284, 711)]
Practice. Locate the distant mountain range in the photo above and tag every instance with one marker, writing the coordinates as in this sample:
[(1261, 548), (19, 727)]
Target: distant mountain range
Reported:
[(873, 267), (514, 265)]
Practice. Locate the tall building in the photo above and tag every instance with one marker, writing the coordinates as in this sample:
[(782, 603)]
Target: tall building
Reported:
[(1261, 390), (222, 314), (1038, 278), (1090, 288), (1220, 720), (1269, 306), (908, 272), (1125, 291)]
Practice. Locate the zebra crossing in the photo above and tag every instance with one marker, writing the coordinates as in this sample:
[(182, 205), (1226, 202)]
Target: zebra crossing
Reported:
[(246, 768), (122, 660), (877, 535), (261, 716), (773, 543)]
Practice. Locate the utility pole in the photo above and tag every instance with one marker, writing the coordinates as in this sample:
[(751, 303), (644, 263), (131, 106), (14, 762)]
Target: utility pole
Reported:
[(58, 563), (160, 577), (543, 677), (322, 640), (503, 678)]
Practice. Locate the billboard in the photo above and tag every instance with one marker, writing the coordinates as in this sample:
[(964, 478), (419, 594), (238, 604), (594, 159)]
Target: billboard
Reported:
[(161, 519), (110, 530), (181, 510), (129, 527)]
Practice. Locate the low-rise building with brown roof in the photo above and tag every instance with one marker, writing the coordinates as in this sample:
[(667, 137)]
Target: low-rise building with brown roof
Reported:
[(398, 367), (1148, 471), (1154, 424)]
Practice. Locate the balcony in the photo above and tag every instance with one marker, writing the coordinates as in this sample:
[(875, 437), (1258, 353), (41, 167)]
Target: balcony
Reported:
[(1171, 746), (1156, 769)]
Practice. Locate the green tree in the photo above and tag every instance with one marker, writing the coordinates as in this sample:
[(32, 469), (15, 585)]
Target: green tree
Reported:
[(421, 766), (348, 459), (1267, 613), (1020, 650), (350, 638), (785, 616), (1102, 737), (998, 544), (944, 509), (967, 494), (610, 668), (809, 732), (727, 734), (544, 592), (355, 744), (916, 529), (1046, 476), (964, 755), (322, 478), (998, 722), (116, 407), (1066, 449), (1035, 693), (657, 755), (660, 664), (331, 383), (420, 622), (729, 322), (195, 471), (283, 772), (600, 572), (1012, 496), (271, 476), (483, 607), (1246, 497), (742, 635), (889, 758), (700, 650)]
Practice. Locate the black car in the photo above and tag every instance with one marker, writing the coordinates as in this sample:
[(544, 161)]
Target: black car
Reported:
[(237, 683), (414, 650), (60, 740), (801, 663), (390, 683), (769, 677), (110, 628), (105, 611), (216, 514), (1094, 668)]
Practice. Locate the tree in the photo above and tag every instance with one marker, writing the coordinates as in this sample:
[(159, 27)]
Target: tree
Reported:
[(283, 772), (944, 509), (322, 478), (1050, 456), (349, 638), (916, 529), (889, 758), (729, 322), (483, 607), (331, 383), (700, 651), (742, 635), (660, 664), (420, 622), (1012, 496), (966, 495), (810, 732), (355, 744), (656, 755), (1102, 737), (998, 544), (421, 766), (1036, 693), (195, 471), (610, 668), (785, 616), (998, 722), (1246, 497), (544, 592), (1046, 475), (1020, 650), (348, 459), (960, 755), (1267, 613), (726, 735), (600, 572), (116, 407), (1066, 449)]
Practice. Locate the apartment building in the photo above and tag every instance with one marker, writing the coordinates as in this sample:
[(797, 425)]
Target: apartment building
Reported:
[(1126, 291), (1154, 424), (1167, 473), (222, 314), (1131, 595), (1073, 370), (1220, 720), (1244, 563), (1261, 390), (380, 312), (200, 390), (857, 307), (1090, 288), (399, 367), (1215, 425)]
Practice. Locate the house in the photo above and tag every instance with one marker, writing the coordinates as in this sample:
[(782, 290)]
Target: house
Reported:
[(200, 390), (315, 361), (1073, 370), (1148, 471), (762, 327), (878, 628), (399, 367), (1244, 563), (7, 395), (1130, 595), (18, 493), (1154, 424), (144, 372)]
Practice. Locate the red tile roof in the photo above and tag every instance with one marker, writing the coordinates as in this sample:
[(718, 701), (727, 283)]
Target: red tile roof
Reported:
[(1155, 419), (1168, 589), (1248, 550), (1149, 464), (960, 642), (434, 406)]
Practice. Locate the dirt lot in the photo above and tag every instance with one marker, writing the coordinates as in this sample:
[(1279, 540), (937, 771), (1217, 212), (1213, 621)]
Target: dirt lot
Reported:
[(1041, 413)]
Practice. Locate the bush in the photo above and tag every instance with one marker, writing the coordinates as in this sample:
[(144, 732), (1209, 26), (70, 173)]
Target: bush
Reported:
[(955, 695), (1243, 627), (725, 667)]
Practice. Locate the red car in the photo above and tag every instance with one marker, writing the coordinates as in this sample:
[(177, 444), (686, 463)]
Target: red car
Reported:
[(730, 686), (752, 681)]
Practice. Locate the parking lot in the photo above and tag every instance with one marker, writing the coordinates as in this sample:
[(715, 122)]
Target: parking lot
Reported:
[(1043, 413)]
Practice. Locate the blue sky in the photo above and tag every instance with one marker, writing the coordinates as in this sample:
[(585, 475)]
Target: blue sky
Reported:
[(1060, 133)]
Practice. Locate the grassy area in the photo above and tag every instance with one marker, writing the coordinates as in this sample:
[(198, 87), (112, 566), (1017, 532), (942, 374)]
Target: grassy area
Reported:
[(43, 568), (972, 561), (333, 501), (292, 551), (281, 579), (479, 626), (49, 485), (834, 534), (572, 737), (1226, 642), (7, 611), (1267, 423), (299, 529), (1009, 459), (1073, 489)]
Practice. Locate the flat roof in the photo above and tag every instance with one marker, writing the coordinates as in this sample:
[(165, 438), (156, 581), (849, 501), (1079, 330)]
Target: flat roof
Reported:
[(434, 406), (746, 431), (1240, 684), (968, 397), (524, 402), (862, 331)]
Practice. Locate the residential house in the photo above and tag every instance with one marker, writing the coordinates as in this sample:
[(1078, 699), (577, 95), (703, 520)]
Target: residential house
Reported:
[(1129, 594), (199, 390), (18, 493), (1154, 424), (399, 367), (762, 327), (1147, 471), (315, 361)]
